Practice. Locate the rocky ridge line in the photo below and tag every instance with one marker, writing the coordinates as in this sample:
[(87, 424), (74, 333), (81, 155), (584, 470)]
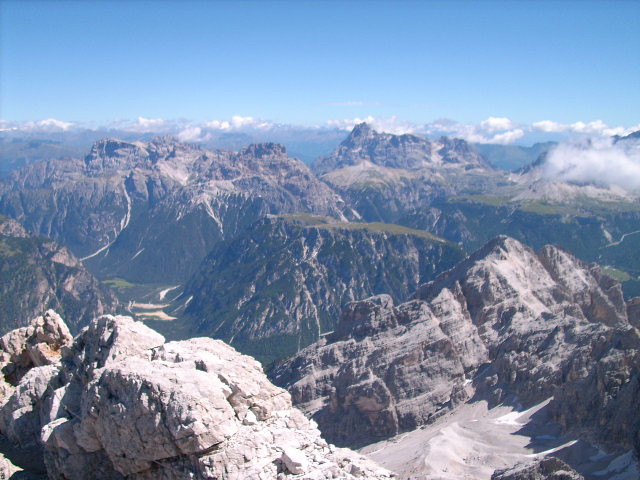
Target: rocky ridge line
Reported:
[(505, 323), (132, 209)]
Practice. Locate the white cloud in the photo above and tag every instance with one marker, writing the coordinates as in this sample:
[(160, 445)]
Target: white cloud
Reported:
[(190, 134), (508, 137), (48, 125), (481, 133), (238, 122), (549, 126), (596, 127), (496, 124), (217, 125), (597, 161), (145, 125)]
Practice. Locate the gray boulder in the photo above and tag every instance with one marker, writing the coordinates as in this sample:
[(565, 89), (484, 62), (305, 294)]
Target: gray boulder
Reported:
[(549, 468)]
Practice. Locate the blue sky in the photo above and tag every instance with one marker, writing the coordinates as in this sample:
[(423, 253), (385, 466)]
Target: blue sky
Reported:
[(307, 63)]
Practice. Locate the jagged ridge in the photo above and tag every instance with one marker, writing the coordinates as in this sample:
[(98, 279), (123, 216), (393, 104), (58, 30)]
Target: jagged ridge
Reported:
[(506, 321)]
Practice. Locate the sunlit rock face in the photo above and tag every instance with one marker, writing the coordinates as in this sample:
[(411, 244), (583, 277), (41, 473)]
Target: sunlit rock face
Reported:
[(118, 402), (506, 321)]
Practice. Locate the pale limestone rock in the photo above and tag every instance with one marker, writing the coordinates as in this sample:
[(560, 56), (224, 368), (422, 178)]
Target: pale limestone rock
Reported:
[(110, 339), (20, 418), (294, 460), (125, 405), (39, 343), (506, 321), (7, 469)]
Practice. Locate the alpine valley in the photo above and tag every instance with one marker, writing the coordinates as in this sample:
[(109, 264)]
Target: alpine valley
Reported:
[(451, 311)]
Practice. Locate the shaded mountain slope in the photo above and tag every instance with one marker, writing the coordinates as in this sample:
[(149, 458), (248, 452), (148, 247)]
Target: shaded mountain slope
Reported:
[(36, 273), (280, 285)]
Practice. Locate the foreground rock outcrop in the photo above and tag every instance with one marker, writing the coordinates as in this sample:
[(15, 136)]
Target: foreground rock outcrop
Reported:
[(121, 403), (505, 323)]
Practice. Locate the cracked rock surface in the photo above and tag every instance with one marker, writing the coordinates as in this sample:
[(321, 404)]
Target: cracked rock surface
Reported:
[(122, 403)]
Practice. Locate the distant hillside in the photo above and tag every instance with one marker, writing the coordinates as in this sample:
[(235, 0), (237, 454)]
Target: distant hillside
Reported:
[(512, 157), (37, 274), (280, 285)]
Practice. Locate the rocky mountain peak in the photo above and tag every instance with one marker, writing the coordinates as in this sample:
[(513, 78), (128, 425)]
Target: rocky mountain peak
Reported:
[(365, 146), (515, 322), (169, 147), (122, 403), (360, 132), (110, 153)]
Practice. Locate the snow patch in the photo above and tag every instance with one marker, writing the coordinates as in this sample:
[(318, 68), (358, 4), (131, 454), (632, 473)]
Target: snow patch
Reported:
[(123, 224), (137, 253), (164, 292), (553, 450)]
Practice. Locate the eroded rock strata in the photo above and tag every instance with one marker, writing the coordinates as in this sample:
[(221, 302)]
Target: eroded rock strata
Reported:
[(549, 468), (505, 322)]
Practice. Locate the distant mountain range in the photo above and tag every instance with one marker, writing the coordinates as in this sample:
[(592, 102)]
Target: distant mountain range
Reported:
[(154, 210), (141, 213), (412, 325)]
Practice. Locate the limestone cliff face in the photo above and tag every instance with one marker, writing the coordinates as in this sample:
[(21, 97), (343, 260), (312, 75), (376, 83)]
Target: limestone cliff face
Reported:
[(118, 402), (505, 321), (407, 152)]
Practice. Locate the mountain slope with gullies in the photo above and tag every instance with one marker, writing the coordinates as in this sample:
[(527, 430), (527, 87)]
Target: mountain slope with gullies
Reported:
[(280, 285), (36, 274), (153, 210), (118, 402), (505, 326)]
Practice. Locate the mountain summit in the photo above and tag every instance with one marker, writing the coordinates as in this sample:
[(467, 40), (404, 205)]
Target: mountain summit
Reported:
[(505, 323), (407, 151)]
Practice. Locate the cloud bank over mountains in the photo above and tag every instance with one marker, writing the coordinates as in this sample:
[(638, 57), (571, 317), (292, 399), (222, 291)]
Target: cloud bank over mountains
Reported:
[(586, 152), (599, 161), (494, 130)]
